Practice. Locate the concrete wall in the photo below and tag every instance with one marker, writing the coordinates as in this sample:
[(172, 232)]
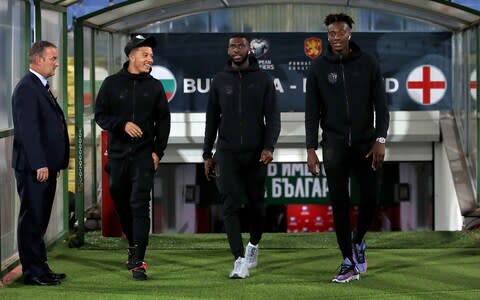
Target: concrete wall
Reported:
[(447, 215)]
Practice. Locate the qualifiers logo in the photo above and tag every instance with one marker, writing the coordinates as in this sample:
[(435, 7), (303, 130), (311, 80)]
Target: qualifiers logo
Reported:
[(426, 85), (312, 47), (259, 47), (473, 84), (167, 79)]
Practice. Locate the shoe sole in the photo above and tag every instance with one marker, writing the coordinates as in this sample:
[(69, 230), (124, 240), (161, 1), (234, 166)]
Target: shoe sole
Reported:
[(140, 277), (236, 276), (354, 277)]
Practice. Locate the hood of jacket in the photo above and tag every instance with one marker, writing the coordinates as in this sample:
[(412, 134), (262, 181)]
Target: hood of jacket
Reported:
[(252, 65), (140, 76), (337, 58)]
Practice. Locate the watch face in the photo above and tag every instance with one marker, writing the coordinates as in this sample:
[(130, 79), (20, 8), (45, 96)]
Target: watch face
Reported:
[(381, 140)]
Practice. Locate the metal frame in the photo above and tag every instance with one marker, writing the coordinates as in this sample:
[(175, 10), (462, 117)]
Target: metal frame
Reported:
[(79, 136), (434, 11), (8, 132), (92, 122), (133, 14), (64, 71), (478, 116)]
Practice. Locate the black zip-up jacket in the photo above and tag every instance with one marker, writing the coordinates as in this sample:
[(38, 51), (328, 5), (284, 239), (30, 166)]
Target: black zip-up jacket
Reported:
[(138, 98), (342, 93), (242, 107)]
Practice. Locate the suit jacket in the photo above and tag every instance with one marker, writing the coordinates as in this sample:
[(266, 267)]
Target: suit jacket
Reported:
[(40, 131)]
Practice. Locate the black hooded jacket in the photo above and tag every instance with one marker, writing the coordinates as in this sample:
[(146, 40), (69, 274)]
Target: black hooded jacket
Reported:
[(138, 98), (342, 94), (242, 107)]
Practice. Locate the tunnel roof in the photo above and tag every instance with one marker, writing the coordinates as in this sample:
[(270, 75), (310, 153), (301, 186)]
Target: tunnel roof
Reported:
[(130, 15)]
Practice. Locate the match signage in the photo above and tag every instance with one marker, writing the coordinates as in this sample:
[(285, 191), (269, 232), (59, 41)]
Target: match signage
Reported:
[(416, 67), (293, 182), (426, 85)]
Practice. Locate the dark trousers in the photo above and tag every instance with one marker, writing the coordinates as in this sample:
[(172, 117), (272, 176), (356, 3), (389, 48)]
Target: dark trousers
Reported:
[(241, 174), (340, 162), (130, 182), (35, 209)]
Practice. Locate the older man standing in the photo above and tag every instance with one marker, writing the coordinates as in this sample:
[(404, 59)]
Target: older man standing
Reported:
[(40, 151)]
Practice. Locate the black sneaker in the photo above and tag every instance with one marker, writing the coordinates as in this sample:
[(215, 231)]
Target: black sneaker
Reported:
[(139, 271)]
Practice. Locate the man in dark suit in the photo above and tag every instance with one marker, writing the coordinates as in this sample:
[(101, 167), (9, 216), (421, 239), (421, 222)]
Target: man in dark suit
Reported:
[(40, 151)]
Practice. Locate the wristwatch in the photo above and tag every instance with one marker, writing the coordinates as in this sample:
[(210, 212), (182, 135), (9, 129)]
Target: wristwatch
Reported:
[(381, 140)]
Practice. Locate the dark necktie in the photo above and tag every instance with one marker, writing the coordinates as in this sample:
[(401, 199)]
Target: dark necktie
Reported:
[(54, 99)]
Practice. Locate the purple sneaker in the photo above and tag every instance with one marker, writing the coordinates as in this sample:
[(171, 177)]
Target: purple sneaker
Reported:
[(359, 257), (348, 272)]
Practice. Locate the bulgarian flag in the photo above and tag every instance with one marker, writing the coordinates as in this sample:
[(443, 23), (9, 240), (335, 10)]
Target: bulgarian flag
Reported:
[(167, 79)]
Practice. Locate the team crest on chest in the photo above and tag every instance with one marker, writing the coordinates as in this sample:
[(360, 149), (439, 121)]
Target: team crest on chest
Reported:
[(332, 77)]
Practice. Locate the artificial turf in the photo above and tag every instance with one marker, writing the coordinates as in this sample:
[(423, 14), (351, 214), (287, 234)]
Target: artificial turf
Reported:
[(402, 265)]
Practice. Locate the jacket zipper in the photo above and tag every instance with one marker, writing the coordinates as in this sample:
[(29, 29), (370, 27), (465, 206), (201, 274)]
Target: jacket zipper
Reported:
[(133, 102), (240, 109), (133, 105), (347, 103)]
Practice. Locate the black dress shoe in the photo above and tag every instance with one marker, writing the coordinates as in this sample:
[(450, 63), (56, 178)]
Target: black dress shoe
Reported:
[(57, 276), (41, 280)]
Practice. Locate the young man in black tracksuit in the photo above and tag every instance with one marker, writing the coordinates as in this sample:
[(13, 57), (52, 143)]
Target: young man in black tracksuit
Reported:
[(344, 89), (242, 108), (132, 106)]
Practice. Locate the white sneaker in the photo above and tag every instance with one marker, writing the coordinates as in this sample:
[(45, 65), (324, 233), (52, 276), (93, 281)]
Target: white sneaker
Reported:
[(240, 269), (251, 255)]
